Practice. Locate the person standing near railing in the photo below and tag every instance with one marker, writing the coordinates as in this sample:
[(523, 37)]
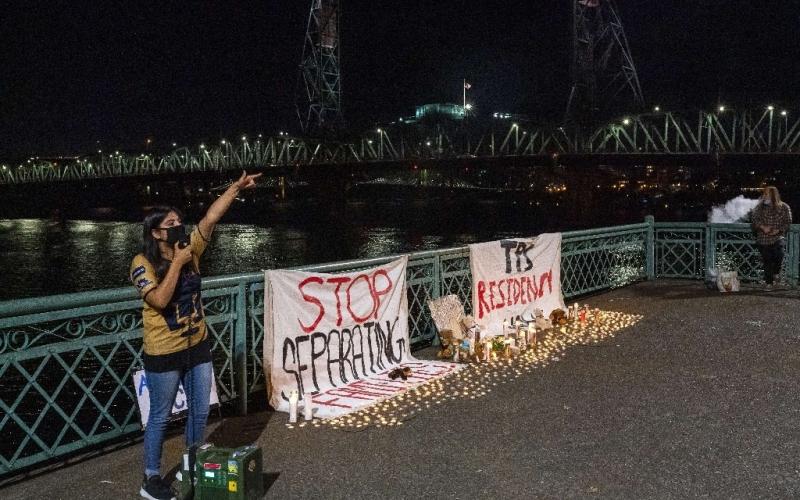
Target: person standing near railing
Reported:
[(176, 345), (771, 221)]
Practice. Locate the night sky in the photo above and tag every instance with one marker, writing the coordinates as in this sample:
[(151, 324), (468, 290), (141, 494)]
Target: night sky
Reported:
[(75, 73)]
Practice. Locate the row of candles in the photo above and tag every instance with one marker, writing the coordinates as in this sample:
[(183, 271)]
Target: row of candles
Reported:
[(519, 337), (477, 380)]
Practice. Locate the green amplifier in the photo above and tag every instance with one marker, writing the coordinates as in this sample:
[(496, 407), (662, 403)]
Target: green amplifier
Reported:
[(226, 474)]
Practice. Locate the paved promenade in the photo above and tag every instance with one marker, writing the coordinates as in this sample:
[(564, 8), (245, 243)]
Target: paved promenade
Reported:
[(697, 400)]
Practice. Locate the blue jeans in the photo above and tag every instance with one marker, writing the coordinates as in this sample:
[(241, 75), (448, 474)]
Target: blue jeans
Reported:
[(163, 387)]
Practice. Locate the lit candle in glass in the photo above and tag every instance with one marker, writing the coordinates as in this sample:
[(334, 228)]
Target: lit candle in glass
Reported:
[(293, 397)]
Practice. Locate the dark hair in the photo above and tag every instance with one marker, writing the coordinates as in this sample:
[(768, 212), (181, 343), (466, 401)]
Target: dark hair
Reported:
[(772, 193), (150, 249)]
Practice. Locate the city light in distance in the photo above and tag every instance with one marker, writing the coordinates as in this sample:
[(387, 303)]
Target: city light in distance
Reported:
[(770, 108), (657, 109), (784, 113), (721, 109), (626, 121)]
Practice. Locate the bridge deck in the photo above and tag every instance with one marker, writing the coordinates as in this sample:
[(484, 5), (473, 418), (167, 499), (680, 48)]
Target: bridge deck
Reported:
[(697, 399)]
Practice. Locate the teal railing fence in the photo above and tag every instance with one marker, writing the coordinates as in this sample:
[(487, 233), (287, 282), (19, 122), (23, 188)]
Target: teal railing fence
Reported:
[(66, 361)]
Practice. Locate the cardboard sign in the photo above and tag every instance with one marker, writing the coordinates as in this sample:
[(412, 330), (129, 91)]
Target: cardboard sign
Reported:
[(511, 278), (143, 396)]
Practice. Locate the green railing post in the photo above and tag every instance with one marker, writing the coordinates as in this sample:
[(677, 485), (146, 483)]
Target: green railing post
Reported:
[(437, 291), (240, 347), (710, 236), (793, 254), (651, 247)]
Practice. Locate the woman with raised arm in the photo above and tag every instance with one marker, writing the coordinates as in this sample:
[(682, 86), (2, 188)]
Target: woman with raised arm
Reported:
[(176, 345)]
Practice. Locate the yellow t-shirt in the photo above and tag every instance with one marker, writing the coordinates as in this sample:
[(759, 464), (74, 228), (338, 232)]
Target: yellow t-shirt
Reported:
[(181, 324)]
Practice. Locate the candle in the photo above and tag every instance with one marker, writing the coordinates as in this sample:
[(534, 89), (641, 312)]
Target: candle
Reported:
[(293, 407), (308, 407), (488, 350), (471, 346)]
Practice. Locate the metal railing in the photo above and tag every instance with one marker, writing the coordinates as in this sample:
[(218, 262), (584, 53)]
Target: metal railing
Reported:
[(66, 361)]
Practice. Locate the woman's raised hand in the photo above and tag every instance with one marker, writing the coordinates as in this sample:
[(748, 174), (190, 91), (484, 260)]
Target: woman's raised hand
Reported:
[(247, 181)]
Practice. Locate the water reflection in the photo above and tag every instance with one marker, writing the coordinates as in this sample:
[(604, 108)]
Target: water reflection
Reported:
[(45, 257)]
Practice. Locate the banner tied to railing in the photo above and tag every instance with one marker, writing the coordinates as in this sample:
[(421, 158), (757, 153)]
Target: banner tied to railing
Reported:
[(336, 337), (512, 278)]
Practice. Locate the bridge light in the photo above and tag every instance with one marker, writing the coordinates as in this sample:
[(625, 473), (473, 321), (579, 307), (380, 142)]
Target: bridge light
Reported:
[(721, 109), (369, 141), (259, 136), (770, 108), (202, 146), (514, 125), (657, 109), (222, 141), (468, 106), (379, 131), (174, 144), (427, 143), (244, 137), (784, 113), (626, 121), (116, 153), (99, 151)]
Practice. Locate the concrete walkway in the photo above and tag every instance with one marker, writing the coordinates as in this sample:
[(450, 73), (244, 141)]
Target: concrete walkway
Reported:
[(698, 399)]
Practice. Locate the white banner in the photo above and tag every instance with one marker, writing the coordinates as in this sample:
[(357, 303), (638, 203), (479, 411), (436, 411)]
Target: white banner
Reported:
[(143, 396), (513, 277), (337, 337)]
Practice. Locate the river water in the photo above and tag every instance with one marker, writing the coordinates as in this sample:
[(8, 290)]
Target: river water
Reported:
[(52, 256)]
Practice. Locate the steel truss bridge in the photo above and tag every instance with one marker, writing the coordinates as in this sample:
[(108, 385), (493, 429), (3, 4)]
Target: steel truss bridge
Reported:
[(765, 130)]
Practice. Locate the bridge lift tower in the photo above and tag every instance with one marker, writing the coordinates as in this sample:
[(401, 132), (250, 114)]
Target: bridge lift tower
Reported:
[(604, 79), (319, 97)]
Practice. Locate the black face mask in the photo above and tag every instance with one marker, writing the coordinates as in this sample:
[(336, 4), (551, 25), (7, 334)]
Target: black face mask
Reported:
[(177, 234)]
